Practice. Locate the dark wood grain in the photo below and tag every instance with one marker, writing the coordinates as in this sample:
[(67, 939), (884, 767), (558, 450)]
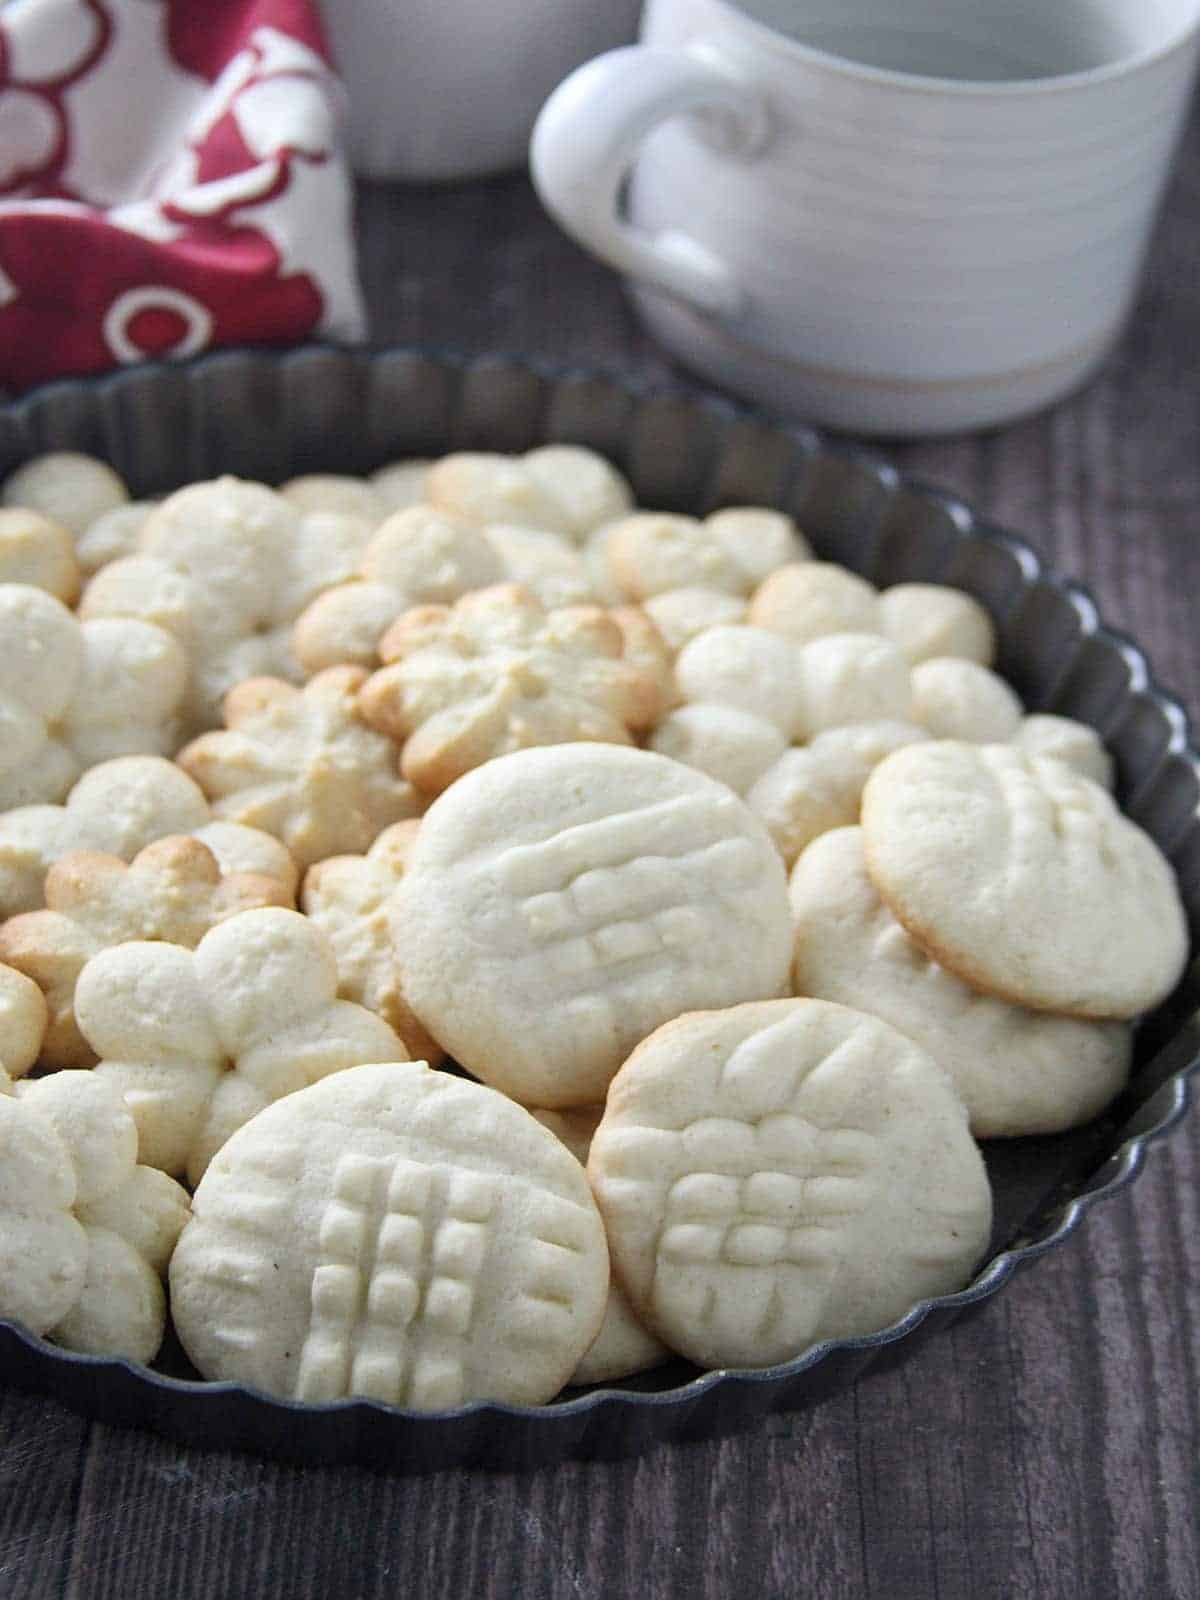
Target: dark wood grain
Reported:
[(1046, 1446)]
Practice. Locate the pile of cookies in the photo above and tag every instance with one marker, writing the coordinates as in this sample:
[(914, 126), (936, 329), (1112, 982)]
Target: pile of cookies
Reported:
[(469, 936)]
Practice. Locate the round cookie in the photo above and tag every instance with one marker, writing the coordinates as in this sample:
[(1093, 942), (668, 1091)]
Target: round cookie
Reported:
[(1017, 1071), (1023, 878), (784, 1172), (399, 1234), (560, 903)]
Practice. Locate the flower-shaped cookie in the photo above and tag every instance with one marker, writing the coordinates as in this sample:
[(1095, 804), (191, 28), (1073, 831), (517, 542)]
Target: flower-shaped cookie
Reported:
[(497, 672), (562, 488), (85, 1232), (418, 555), (38, 551), (303, 765), (23, 1019), (226, 567), (199, 1041), (173, 890), (72, 695), (654, 552), (120, 807), (347, 897)]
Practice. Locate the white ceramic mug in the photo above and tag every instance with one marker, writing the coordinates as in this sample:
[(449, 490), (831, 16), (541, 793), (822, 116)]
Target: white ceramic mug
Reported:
[(442, 89), (898, 217)]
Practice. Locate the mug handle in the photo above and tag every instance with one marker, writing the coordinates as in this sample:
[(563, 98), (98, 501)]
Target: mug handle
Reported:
[(586, 139)]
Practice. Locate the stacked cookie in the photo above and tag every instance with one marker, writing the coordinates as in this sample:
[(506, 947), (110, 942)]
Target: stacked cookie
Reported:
[(537, 765)]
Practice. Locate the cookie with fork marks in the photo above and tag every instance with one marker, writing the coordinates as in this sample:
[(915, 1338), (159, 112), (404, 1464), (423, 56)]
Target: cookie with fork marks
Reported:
[(399, 1234), (781, 1173), (561, 903), (1022, 877)]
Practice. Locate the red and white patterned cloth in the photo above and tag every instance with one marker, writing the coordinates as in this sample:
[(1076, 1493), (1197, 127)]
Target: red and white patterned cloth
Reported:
[(171, 178)]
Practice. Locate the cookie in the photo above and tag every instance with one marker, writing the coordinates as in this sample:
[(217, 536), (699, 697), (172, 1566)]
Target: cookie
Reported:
[(497, 672), (23, 1019), (644, 648), (655, 552), (852, 677), (417, 556), (807, 600), (1017, 1071), (302, 764), (226, 567), (559, 904), (400, 484), (174, 890), (1024, 879), (747, 669), (239, 849), (622, 1347), (73, 695), (1066, 740), (958, 699), (808, 790), (393, 1233), (781, 1173), (347, 897), (735, 747), (66, 486), (681, 614), (199, 1041), (38, 552), (549, 565), (85, 1232), (559, 488), (119, 807), (931, 619), (113, 535), (336, 492)]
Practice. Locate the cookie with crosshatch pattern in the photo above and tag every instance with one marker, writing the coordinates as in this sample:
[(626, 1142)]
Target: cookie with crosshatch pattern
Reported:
[(396, 1233), (781, 1173), (560, 903)]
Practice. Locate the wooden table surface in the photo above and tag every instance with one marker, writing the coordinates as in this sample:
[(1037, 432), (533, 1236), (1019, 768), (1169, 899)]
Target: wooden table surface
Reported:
[(1045, 1447)]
